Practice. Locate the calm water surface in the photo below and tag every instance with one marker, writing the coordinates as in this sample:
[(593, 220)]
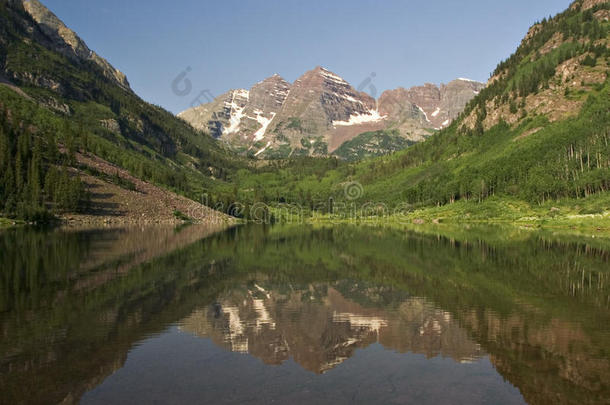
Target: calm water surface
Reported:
[(303, 315)]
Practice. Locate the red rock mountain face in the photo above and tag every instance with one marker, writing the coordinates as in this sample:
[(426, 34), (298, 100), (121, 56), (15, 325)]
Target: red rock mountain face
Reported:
[(323, 97), (320, 111), (438, 105), (322, 107)]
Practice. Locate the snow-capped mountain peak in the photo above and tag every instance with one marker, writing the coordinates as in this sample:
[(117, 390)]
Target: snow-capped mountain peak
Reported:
[(321, 110)]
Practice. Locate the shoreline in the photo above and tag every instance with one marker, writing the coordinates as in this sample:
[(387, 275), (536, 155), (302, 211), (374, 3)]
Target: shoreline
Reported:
[(79, 221), (601, 225), (562, 223), (591, 213)]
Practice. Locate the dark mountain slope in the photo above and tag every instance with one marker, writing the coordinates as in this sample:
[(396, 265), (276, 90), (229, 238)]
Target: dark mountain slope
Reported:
[(58, 93)]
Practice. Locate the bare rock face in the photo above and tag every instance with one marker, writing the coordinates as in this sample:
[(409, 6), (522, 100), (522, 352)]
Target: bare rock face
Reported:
[(426, 97), (320, 111), (111, 125), (215, 117), (431, 106), (241, 116), (322, 104), (269, 95), (264, 103), (320, 97), (454, 97), (586, 4), (403, 114), (68, 42)]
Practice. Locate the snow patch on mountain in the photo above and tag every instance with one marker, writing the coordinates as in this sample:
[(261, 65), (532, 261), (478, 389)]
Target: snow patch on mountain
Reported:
[(372, 116), (235, 120), (426, 115), (260, 134), (350, 98), (332, 77), (237, 113), (467, 80)]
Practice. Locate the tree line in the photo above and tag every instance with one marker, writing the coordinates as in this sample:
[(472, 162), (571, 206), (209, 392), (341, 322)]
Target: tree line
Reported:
[(35, 179)]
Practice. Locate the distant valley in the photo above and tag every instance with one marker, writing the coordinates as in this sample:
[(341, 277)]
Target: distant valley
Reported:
[(78, 144)]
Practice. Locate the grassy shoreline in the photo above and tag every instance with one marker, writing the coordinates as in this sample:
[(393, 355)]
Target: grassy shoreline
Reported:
[(9, 223), (592, 214)]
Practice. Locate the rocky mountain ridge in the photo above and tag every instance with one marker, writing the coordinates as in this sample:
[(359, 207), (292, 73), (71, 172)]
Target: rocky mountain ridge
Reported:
[(60, 95), (68, 43), (320, 111), (568, 58), (241, 113)]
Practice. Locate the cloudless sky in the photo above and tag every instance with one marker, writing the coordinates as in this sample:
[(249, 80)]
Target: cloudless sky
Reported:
[(235, 43)]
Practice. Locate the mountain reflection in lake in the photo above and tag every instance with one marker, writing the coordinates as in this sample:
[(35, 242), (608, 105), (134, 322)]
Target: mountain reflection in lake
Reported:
[(319, 327), (295, 315)]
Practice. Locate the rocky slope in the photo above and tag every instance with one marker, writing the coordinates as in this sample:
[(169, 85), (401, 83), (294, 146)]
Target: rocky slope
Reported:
[(320, 111), (67, 97), (538, 132), (139, 203), (561, 60), (68, 43), (241, 115), (429, 106)]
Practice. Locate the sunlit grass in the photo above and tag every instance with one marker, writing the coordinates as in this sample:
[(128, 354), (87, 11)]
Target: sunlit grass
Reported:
[(592, 213)]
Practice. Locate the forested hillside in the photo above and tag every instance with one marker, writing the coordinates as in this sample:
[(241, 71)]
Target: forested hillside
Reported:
[(53, 105), (540, 131), (372, 144), (34, 174)]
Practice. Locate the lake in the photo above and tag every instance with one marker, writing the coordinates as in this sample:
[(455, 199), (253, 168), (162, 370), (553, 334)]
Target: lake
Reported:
[(342, 314)]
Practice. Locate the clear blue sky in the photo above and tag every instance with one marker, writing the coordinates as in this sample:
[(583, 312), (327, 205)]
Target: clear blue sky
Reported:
[(236, 43)]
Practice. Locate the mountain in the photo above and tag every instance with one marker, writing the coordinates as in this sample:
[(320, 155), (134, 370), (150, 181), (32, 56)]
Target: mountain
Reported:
[(241, 115), (68, 43), (558, 62), (322, 106), (277, 119), (72, 125), (439, 105), (372, 144), (320, 111), (538, 132), (535, 137)]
